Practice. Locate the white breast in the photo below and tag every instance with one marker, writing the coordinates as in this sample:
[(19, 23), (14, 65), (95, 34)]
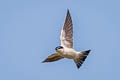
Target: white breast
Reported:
[(69, 53)]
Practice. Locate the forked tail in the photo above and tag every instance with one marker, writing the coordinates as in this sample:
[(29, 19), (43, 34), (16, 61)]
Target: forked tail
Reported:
[(81, 58)]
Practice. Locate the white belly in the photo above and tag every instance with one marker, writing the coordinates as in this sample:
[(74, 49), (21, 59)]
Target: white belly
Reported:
[(69, 53)]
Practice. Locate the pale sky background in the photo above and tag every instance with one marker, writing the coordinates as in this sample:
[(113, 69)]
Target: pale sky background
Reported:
[(30, 30)]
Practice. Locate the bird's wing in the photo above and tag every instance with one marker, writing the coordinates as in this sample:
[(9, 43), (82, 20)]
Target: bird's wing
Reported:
[(53, 57), (67, 32)]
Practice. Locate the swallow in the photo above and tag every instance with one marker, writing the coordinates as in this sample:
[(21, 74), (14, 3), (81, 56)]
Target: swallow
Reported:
[(66, 50)]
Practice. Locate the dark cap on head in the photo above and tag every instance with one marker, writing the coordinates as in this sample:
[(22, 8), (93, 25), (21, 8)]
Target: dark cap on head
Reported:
[(58, 47)]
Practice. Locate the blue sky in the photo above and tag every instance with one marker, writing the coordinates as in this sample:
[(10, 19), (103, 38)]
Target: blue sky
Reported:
[(30, 30)]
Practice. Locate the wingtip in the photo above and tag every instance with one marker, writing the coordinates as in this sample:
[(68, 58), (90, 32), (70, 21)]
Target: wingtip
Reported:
[(43, 62), (68, 11)]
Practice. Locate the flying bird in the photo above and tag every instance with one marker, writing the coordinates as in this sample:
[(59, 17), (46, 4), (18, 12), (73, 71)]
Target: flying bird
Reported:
[(65, 50)]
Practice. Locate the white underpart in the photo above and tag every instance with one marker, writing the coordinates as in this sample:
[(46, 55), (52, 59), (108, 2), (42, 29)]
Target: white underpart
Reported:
[(69, 53)]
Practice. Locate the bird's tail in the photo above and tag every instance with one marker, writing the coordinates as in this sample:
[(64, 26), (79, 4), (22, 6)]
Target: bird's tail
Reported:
[(81, 58)]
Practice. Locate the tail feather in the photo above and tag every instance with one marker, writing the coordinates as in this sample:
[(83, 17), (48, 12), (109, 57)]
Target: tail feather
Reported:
[(79, 61)]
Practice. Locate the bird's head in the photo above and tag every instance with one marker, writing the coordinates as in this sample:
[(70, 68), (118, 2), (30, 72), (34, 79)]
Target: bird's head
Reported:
[(59, 49)]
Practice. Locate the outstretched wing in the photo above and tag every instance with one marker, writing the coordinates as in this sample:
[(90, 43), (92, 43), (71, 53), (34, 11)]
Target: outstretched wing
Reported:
[(67, 32), (53, 57)]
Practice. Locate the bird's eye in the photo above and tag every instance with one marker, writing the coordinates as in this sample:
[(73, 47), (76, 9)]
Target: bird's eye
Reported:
[(59, 47)]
